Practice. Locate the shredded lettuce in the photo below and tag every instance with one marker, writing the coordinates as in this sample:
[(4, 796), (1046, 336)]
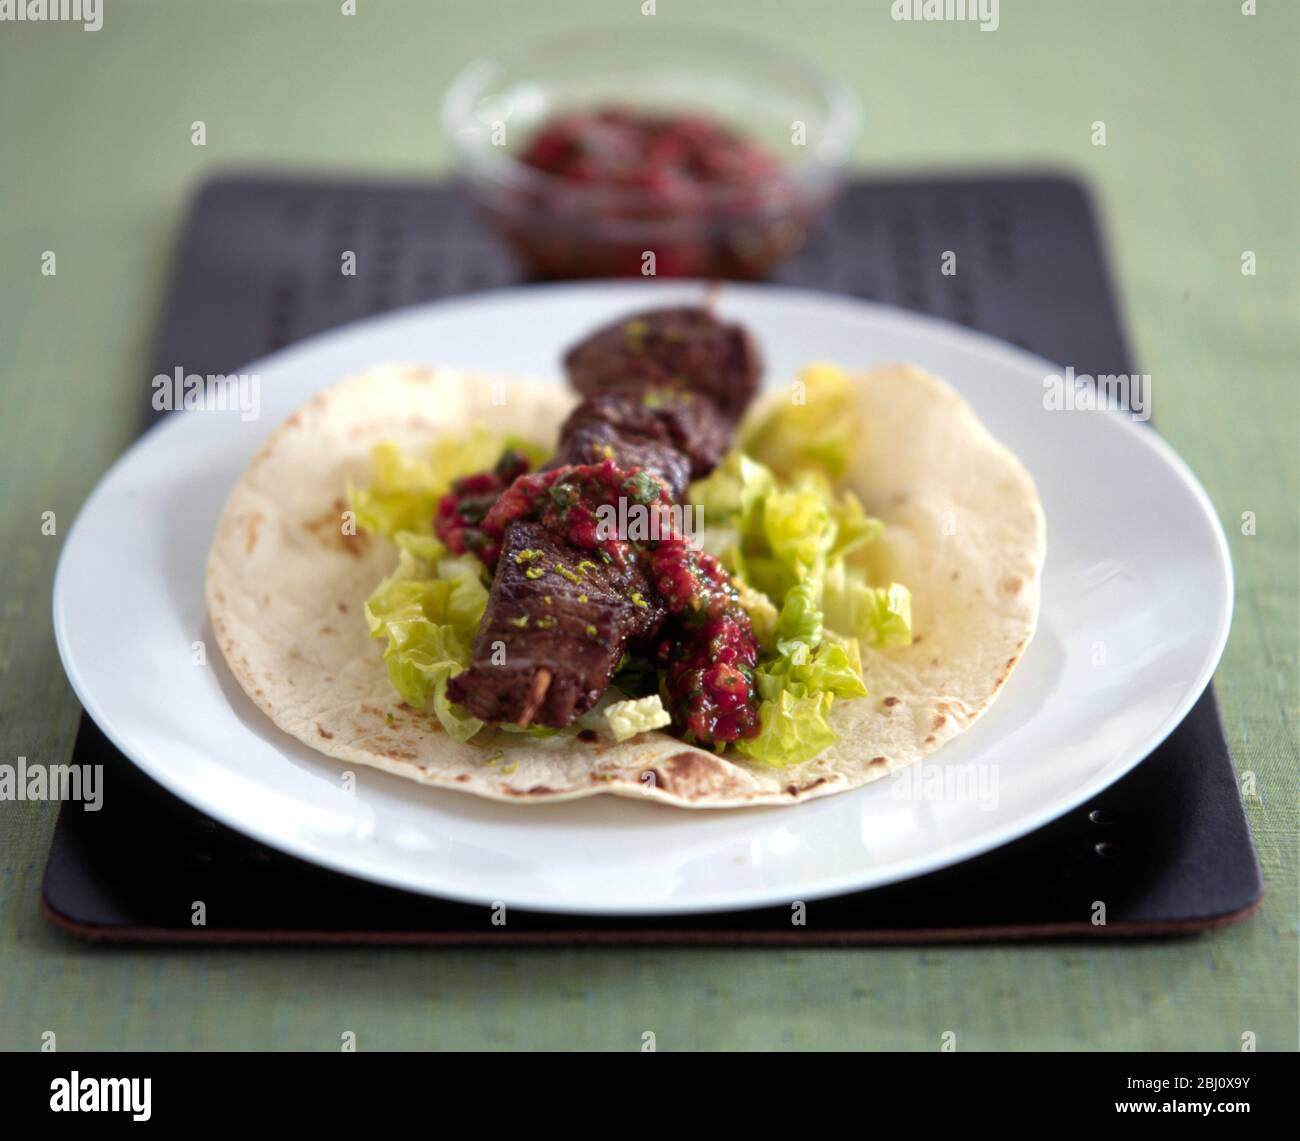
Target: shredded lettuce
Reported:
[(625, 719), (878, 615), (854, 528), (800, 622), (797, 690), (833, 667), (619, 717), (791, 729), (799, 529), (788, 538), (737, 488), (429, 609), (814, 430), (402, 498)]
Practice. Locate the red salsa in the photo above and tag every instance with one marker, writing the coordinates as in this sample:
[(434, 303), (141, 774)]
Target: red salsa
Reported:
[(461, 512), (568, 500), (671, 157), (706, 200), (710, 652)]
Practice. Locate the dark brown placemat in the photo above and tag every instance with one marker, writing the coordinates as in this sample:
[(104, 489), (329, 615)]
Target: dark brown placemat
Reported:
[(1167, 848)]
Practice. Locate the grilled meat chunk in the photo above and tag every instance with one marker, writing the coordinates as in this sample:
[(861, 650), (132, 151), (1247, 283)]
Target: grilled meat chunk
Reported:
[(605, 427), (674, 435), (683, 348), (557, 622)]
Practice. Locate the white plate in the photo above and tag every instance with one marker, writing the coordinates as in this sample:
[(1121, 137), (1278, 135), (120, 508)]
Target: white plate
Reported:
[(1137, 596)]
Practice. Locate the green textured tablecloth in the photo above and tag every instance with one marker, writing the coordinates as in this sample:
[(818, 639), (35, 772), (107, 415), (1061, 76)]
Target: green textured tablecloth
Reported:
[(96, 163)]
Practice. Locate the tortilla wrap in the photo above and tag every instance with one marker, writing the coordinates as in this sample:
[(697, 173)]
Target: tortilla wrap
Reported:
[(286, 589)]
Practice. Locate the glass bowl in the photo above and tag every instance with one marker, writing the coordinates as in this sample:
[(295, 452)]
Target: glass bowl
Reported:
[(563, 229)]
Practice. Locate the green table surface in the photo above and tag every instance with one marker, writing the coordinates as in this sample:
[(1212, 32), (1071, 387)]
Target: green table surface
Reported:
[(1200, 165)]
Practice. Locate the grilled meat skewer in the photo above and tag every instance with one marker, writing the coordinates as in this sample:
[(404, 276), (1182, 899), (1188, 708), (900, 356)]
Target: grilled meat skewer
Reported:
[(560, 615)]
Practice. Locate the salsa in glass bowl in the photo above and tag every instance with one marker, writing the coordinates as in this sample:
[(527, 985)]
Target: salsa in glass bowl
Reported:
[(671, 150)]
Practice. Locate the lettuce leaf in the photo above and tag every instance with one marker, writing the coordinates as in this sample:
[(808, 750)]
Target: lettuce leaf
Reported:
[(801, 622), (798, 528), (854, 528), (816, 429), (878, 616), (402, 498), (429, 609), (833, 667), (798, 689), (734, 491), (792, 729)]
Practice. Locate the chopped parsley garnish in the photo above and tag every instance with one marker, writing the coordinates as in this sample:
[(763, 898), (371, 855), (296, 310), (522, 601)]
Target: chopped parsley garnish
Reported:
[(643, 487), (563, 494)]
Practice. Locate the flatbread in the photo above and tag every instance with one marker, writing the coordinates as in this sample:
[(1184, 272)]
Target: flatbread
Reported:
[(286, 590)]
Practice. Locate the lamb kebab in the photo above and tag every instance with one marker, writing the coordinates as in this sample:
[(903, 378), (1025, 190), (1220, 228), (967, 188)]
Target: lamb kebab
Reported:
[(573, 593)]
